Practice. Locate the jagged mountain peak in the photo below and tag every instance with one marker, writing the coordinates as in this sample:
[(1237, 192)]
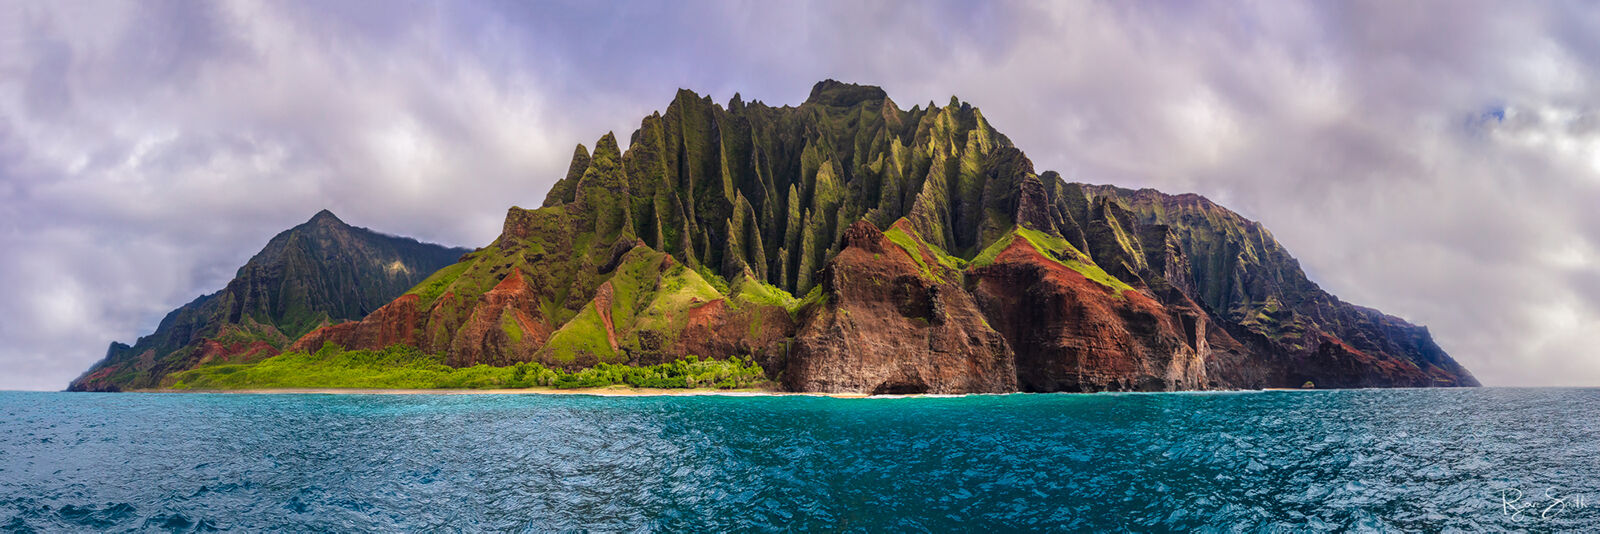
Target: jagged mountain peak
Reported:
[(606, 146), (326, 217)]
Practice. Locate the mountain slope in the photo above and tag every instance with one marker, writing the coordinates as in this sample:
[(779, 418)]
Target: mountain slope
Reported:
[(319, 272), (999, 277), (1252, 283)]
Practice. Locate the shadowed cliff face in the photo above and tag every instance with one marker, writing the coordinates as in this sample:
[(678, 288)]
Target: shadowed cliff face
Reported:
[(318, 272), (989, 277), (1295, 331)]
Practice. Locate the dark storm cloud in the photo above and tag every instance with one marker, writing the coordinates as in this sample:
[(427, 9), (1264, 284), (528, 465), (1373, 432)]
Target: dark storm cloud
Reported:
[(1439, 161)]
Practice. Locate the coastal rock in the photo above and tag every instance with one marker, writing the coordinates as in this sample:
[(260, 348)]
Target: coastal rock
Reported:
[(1071, 333), (892, 325)]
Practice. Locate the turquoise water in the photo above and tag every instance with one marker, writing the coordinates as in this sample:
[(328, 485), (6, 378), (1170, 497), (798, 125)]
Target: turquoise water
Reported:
[(1328, 460)]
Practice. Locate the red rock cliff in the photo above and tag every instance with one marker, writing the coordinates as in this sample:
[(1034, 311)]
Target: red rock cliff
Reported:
[(1073, 334), (889, 325)]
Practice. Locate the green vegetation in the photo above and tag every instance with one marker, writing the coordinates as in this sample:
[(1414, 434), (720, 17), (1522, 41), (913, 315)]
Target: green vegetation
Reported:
[(815, 297), (585, 333), (690, 372), (754, 294), (404, 367), (1057, 249), (249, 331), (913, 244), (909, 244), (508, 324), (987, 257), (1060, 250), (436, 284), (666, 313), (717, 282), (748, 290)]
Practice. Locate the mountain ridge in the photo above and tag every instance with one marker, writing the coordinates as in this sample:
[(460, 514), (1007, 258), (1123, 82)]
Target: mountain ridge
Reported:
[(316, 272), (847, 245), (716, 214)]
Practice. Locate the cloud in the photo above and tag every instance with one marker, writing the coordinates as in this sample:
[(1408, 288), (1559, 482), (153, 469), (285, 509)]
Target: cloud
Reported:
[(1438, 161)]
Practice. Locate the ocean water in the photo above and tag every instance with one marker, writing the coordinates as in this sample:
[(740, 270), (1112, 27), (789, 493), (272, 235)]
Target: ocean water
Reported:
[(1363, 460)]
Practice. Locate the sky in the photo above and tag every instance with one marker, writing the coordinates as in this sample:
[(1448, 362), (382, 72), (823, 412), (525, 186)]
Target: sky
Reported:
[(1439, 161)]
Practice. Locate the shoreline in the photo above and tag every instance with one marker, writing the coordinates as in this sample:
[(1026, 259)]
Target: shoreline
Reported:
[(627, 391), (624, 391), (609, 391)]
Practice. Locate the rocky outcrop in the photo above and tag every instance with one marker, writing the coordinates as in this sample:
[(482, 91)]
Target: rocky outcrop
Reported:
[(1071, 333), (717, 328), (213, 351), (394, 323), (504, 328), (892, 324)]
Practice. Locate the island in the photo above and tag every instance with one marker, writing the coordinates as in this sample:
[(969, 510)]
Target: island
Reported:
[(844, 245)]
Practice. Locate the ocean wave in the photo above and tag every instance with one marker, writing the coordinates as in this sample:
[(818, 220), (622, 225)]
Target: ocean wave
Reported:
[(1365, 460)]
